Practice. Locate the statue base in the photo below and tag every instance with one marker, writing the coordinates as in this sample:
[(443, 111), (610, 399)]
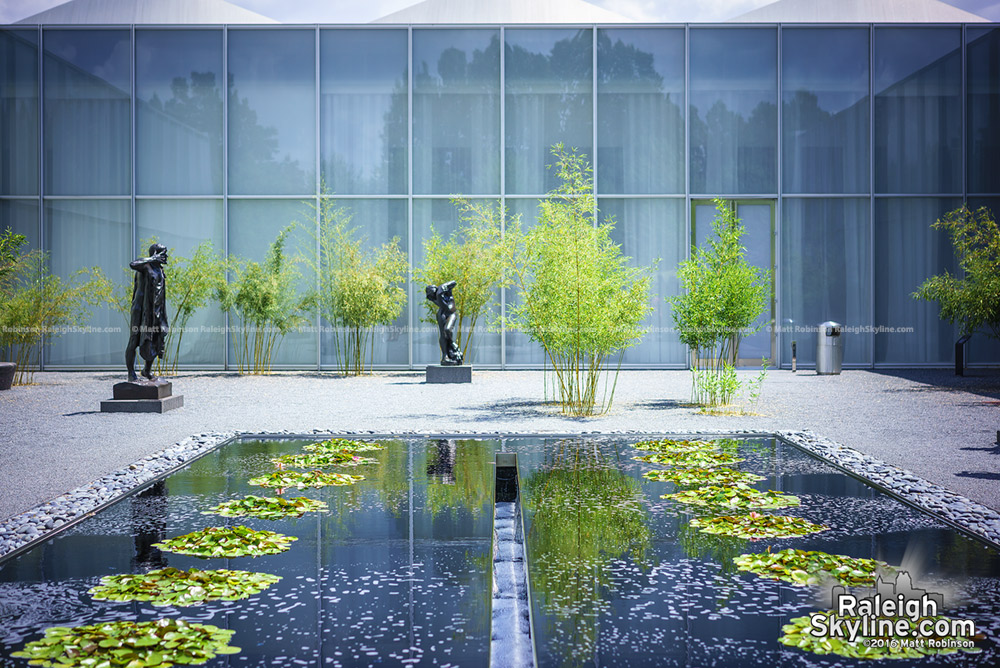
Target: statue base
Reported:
[(437, 373), (143, 396)]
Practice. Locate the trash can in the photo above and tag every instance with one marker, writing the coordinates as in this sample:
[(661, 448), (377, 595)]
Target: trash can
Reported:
[(829, 348)]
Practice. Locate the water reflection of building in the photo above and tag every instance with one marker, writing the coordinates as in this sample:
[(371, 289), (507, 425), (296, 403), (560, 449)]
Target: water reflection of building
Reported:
[(852, 136)]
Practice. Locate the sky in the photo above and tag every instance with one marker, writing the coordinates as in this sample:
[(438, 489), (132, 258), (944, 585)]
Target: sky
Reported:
[(351, 11)]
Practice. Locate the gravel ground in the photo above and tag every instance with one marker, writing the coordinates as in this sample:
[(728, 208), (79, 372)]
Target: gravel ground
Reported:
[(53, 439)]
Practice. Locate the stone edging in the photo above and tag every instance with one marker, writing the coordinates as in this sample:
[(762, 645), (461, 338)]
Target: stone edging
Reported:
[(38, 523)]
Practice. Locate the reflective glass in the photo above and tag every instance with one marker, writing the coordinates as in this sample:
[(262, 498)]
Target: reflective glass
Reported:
[(253, 227), (363, 111), (734, 119), (456, 111), (181, 225), (549, 100), (908, 252), (19, 112), (441, 216), (90, 233), (22, 217), (648, 231), (87, 113), (520, 349), (981, 349), (983, 71), (825, 275), (918, 110), (377, 221), (178, 89), (825, 119), (272, 112), (640, 110)]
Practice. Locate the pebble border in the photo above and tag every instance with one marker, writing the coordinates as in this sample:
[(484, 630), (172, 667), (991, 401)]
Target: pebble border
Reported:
[(41, 522)]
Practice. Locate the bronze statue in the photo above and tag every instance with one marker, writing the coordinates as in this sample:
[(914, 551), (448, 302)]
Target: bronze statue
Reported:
[(148, 318), (447, 318)]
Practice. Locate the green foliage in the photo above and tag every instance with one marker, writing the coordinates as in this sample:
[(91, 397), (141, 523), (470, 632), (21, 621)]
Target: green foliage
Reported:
[(579, 298), (358, 288), (267, 507), (756, 525), (471, 487), (798, 634), (723, 297), (239, 541), (10, 251), (694, 459), (333, 445), (733, 496), (263, 297), (973, 301), (162, 643), (315, 460), (300, 480), (171, 586), (699, 476), (803, 567), (474, 256)]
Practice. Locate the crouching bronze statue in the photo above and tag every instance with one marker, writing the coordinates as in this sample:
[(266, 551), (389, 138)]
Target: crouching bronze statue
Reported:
[(447, 318)]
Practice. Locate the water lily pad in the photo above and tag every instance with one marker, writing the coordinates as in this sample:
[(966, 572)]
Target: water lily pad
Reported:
[(239, 541), (267, 507), (756, 525), (695, 459), (342, 445), (811, 567), (735, 496), (798, 633), (699, 476), (301, 480), (315, 460), (171, 586), (163, 642), (677, 445)]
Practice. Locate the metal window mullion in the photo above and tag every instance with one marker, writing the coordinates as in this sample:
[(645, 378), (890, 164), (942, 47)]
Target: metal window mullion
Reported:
[(776, 219), (411, 311), (689, 208), (132, 103), (41, 163), (503, 188), (593, 115), (871, 191), (319, 194), (225, 183)]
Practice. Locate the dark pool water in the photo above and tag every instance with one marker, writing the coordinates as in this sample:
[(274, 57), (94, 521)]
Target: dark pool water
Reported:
[(398, 572)]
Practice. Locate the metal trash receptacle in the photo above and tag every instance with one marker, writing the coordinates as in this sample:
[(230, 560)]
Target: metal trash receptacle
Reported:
[(829, 348)]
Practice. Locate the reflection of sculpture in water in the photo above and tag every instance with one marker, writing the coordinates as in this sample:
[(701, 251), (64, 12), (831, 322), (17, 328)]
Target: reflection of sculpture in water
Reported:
[(447, 318), (148, 318), (441, 469)]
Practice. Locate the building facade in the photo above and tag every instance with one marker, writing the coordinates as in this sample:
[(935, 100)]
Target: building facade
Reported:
[(839, 145)]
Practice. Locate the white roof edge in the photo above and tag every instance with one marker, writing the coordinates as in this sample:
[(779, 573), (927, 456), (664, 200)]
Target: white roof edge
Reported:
[(504, 12), (858, 11), (141, 12)]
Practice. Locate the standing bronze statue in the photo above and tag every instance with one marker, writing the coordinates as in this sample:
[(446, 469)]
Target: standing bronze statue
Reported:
[(148, 318), (447, 318)]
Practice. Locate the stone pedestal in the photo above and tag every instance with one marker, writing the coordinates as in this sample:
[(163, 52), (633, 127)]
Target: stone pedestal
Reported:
[(143, 396), (437, 373)]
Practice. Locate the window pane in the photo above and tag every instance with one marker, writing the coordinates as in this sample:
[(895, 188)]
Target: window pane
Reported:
[(918, 110), (90, 233), (19, 112), (981, 349), (647, 230), (22, 217), (908, 252), (983, 52), (253, 227), (734, 120), (825, 275), (87, 113), (640, 102), (181, 225), (363, 115), (549, 86), (456, 111), (378, 221), (825, 110), (272, 112), (520, 348), (178, 78), (441, 216)]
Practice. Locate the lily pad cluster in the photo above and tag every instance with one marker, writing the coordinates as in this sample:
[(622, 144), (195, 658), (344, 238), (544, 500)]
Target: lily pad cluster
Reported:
[(301, 480), (342, 445), (803, 567), (700, 476), (314, 460), (160, 643), (239, 541), (267, 507), (693, 459), (798, 634), (756, 525), (676, 445), (735, 496), (172, 586)]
